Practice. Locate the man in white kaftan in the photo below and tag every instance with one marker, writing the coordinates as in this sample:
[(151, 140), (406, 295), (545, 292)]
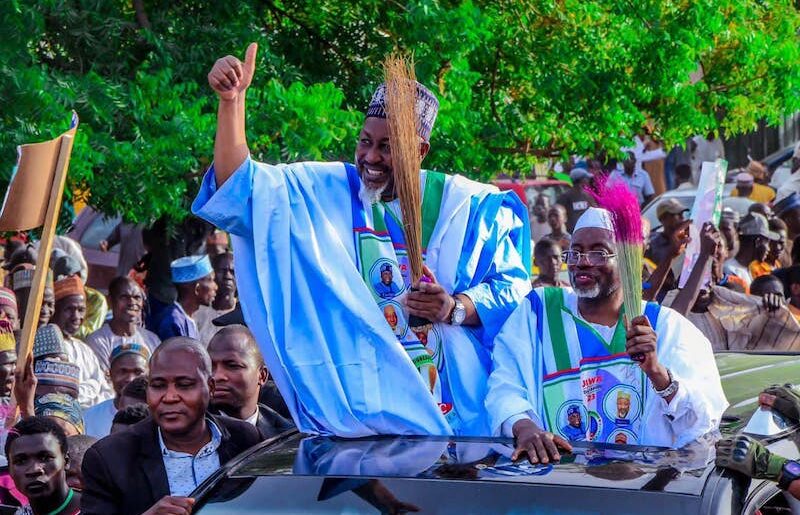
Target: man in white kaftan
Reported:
[(311, 242), (562, 350)]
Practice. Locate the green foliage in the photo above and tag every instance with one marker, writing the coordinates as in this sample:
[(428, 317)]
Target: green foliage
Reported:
[(518, 80)]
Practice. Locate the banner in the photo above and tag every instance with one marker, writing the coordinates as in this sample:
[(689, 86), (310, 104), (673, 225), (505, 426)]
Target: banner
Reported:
[(707, 207)]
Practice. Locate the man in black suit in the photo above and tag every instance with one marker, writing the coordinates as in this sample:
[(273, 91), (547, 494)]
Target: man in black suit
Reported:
[(152, 467), (239, 373)]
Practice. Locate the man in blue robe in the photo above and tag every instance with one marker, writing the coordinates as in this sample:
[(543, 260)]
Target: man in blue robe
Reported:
[(193, 277), (312, 242)]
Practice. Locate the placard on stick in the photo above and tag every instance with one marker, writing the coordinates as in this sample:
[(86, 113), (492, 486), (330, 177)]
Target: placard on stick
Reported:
[(33, 199)]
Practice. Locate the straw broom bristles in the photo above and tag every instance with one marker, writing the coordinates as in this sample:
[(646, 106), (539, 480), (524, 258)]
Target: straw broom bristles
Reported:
[(626, 217), (404, 141)]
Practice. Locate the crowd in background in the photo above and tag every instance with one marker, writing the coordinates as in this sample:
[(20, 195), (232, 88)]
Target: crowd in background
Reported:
[(94, 357)]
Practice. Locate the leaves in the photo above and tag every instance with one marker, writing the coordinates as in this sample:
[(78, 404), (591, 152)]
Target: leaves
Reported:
[(518, 81)]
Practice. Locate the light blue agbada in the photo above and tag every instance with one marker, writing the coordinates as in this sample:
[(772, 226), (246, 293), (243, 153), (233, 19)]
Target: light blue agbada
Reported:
[(315, 266)]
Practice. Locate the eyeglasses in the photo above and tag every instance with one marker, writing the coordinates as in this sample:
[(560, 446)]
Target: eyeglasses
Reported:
[(593, 257)]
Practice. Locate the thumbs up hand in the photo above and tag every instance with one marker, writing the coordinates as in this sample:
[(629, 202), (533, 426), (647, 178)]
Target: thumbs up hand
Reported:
[(230, 77)]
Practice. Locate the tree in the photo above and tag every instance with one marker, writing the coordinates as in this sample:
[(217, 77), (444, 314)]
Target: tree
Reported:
[(518, 81)]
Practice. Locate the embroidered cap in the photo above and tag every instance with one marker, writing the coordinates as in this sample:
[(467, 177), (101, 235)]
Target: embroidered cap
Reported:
[(427, 108), (190, 268), (744, 178), (7, 341), (573, 410), (68, 287), (7, 298), (54, 372), (48, 342), (386, 267), (129, 348), (60, 405), (22, 276)]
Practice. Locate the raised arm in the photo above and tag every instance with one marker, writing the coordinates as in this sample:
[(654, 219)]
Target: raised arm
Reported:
[(709, 239), (230, 78)]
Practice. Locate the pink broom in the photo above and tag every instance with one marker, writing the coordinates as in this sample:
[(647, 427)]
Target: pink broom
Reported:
[(615, 197)]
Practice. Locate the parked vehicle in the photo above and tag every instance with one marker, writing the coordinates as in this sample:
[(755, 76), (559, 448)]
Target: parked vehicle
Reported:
[(686, 197), (296, 473)]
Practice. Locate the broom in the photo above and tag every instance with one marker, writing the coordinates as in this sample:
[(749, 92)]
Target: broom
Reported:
[(619, 200), (401, 114)]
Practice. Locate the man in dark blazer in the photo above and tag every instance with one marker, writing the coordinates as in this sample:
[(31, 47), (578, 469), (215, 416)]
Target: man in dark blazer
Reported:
[(239, 373), (151, 467)]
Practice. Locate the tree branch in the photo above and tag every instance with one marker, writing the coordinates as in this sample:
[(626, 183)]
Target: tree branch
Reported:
[(141, 14)]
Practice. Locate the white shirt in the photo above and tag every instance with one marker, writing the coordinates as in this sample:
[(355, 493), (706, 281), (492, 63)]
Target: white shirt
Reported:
[(732, 266), (184, 471), (639, 183), (705, 151), (103, 341), (93, 388), (252, 419), (99, 419)]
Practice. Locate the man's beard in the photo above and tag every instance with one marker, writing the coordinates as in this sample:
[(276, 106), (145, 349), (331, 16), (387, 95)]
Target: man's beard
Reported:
[(370, 196), (367, 195), (595, 292), (587, 293)]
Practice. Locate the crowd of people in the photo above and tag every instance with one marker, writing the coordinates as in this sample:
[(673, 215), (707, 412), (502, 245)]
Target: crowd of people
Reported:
[(130, 400), (108, 370)]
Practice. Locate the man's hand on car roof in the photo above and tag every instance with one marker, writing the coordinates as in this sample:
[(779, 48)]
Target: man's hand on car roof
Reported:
[(540, 446)]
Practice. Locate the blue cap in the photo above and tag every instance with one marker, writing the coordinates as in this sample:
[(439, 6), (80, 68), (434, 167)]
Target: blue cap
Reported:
[(386, 267), (190, 268), (573, 410)]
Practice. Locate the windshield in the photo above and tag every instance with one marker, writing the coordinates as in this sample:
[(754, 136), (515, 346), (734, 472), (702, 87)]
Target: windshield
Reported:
[(331, 475)]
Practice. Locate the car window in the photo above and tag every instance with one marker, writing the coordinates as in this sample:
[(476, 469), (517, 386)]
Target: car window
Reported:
[(98, 230), (771, 501)]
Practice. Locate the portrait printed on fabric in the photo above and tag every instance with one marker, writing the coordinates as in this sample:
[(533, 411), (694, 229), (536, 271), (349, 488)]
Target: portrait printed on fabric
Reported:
[(393, 313), (387, 282), (571, 419)]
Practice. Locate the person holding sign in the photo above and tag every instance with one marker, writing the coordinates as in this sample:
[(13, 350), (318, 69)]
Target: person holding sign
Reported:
[(654, 384), (321, 251)]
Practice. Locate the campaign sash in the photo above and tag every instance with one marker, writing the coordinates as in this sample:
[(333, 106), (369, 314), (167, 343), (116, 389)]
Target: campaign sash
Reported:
[(595, 392), (382, 261)]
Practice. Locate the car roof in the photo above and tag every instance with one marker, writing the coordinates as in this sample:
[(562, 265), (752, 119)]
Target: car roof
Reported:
[(620, 467)]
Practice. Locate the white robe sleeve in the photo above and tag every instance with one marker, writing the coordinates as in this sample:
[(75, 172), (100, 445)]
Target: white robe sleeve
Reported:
[(700, 401), (516, 378)]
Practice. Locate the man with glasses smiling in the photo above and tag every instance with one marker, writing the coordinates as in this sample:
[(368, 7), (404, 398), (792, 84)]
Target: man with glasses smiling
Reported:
[(564, 350)]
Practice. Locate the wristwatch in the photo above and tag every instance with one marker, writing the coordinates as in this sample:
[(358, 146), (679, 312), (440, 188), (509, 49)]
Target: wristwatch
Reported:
[(789, 472), (671, 388), (459, 313)]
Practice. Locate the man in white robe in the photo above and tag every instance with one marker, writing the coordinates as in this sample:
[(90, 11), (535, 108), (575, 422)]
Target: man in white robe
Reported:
[(311, 242), (562, 350)]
